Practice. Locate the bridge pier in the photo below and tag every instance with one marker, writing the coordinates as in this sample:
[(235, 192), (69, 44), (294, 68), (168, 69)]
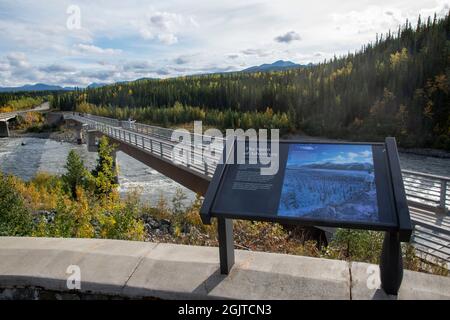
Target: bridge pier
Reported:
[(91, 140), (80, 135), (4, 129)]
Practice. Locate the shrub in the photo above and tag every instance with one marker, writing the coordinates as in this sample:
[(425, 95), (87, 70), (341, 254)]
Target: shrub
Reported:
[(15, 219), (355, 245), (105, 171)]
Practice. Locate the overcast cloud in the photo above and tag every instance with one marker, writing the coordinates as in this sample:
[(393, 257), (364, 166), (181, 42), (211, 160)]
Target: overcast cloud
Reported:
[(126, 40)]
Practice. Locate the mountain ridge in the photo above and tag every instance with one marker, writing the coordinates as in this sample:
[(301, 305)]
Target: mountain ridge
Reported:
[(275, 66), (353, 166)]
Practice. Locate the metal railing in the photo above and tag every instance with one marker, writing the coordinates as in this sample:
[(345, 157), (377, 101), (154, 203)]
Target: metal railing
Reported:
[(431, 242), (192, 157), (427, 190)]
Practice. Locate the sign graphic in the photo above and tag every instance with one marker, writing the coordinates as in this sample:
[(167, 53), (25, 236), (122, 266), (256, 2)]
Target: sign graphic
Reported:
[(329, 182)]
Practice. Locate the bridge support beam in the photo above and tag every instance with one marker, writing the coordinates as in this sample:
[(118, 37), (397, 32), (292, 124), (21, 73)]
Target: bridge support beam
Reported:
[(4, 129)]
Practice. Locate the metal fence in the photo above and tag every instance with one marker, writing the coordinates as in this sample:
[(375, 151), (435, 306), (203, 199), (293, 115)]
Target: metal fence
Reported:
[(427, 190)]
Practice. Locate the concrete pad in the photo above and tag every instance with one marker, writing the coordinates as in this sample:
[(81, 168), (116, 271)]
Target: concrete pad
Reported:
[(415, 285), (174, 272), (177, 272), (263, 276)]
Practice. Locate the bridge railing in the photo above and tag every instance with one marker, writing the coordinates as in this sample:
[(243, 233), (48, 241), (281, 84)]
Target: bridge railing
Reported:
[(109, 121), (163, 133), (194, 160), (427, 189)]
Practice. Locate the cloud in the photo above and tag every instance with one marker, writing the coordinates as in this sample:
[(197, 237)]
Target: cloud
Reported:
[(17, 60), (137, 66), (380, 18), (232, 56), (162, 72), (91, 49), (98, 74), (57, 68), (4, 66), (182, 59), (165, 26), (288, 37), (256, 52), (309, 148)]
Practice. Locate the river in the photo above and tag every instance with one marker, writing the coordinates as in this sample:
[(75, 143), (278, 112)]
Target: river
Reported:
[(24, 157)]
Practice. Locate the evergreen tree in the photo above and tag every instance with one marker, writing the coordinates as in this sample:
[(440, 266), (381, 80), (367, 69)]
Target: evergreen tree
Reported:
[(105, 172), (76, 175)]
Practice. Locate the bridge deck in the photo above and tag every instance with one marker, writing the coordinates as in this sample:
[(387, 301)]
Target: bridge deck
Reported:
[(428, 195)]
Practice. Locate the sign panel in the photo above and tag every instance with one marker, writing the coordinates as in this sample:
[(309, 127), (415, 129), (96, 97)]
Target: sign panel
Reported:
[(319, 184), (329, 181)]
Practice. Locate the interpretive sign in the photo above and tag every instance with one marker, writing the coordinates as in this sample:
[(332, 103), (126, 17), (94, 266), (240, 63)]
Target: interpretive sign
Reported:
[(348, 185)]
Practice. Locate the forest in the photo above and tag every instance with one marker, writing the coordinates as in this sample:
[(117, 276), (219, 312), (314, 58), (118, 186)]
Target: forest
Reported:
[(397, 85), (16, 102)]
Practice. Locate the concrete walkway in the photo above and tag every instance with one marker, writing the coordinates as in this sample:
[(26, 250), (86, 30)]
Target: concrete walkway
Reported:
[(167, 271)]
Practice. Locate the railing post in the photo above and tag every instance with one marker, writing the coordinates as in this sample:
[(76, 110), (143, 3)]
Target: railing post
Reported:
[(443, 196), (187, 158)]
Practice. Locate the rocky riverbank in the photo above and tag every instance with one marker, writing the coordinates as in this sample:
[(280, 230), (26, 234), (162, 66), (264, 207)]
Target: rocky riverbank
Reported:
[(61, 135)]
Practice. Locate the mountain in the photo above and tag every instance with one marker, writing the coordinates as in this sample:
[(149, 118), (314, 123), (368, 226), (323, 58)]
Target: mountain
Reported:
[(354, 166), (35, 87), (276, 66), (94, 85)]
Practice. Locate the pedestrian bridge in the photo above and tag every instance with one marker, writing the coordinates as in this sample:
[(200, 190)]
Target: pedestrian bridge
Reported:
[(6, 116), (428, 195)]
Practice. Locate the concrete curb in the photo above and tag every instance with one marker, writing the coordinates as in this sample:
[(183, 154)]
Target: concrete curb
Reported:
[(138, 269)]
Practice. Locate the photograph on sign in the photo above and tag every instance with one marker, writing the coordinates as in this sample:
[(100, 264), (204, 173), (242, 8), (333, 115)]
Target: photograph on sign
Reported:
[(329, 181)]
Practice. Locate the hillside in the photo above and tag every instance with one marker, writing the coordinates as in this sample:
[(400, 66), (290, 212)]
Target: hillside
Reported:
[(396, 86)]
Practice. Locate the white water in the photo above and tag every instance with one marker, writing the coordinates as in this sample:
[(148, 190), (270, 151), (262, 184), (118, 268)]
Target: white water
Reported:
[(44, 155)]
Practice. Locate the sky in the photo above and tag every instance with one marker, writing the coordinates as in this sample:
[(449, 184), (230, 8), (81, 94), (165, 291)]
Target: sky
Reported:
[(302, 154), (78, 42)]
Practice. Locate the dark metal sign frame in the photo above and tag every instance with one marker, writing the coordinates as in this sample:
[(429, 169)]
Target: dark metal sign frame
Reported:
[(396, 231)]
